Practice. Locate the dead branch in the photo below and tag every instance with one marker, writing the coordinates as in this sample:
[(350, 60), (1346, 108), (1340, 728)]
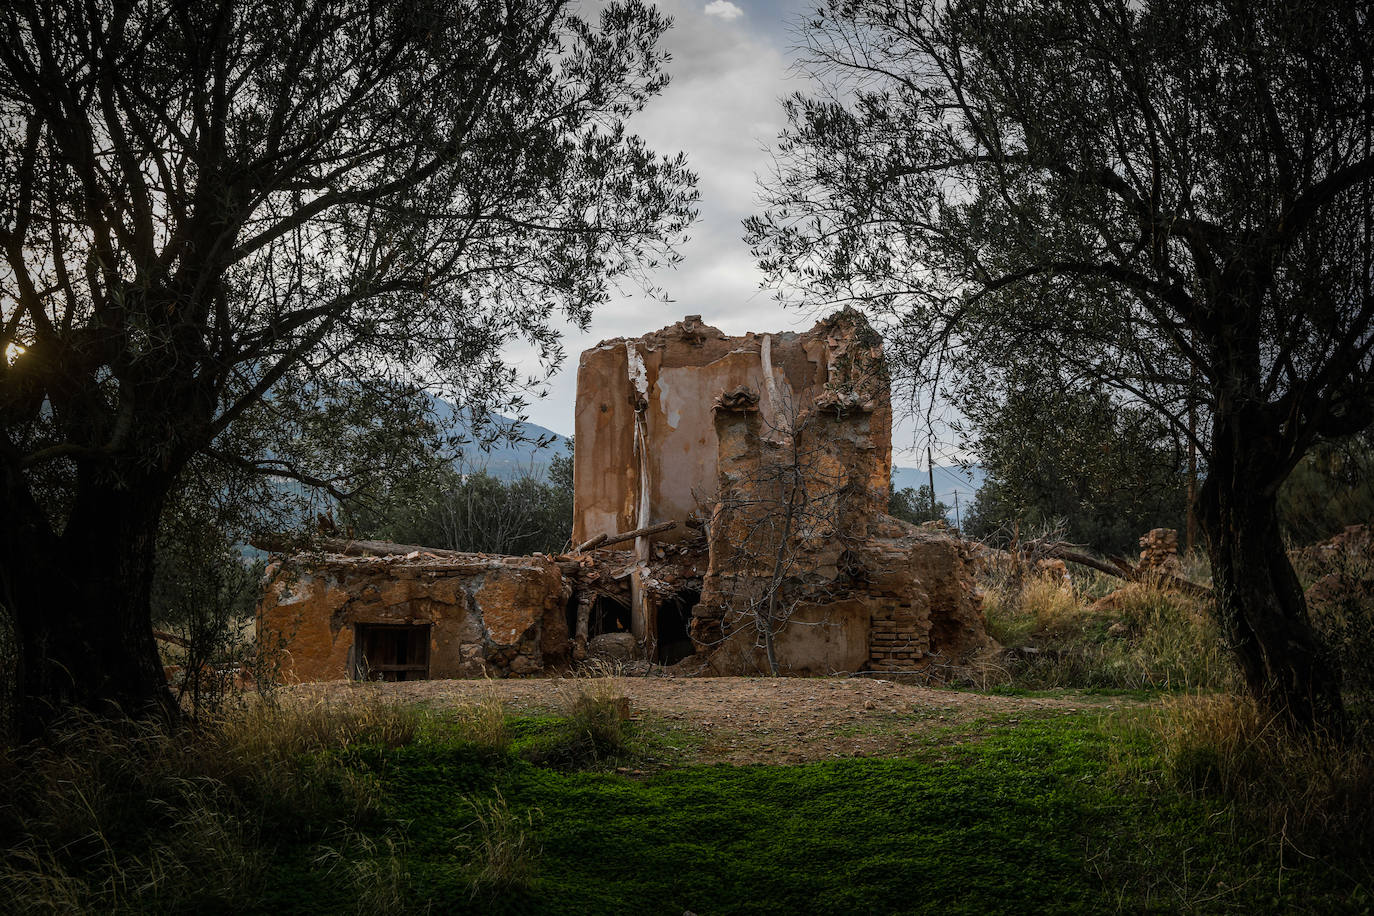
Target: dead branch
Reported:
[(602, 540), (1120, 569)]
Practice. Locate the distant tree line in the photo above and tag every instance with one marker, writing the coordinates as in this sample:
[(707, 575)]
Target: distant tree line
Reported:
[(473, 510), (1108, 472), (916, 506)]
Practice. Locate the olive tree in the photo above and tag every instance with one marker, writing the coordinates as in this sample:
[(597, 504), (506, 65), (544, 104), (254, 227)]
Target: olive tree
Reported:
[(1174, 198), (256, 235)]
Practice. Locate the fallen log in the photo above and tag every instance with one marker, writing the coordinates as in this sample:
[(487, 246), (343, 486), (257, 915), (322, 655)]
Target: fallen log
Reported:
[(171, 638), (590, 543), (602, 540), (1122, 570)]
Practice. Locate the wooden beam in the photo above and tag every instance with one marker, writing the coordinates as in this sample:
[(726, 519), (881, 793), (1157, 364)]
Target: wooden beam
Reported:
[(353, 548), (602, 540)]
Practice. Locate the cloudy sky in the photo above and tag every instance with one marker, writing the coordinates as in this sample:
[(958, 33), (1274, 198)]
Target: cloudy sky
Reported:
[(729, 72), (731, 67)]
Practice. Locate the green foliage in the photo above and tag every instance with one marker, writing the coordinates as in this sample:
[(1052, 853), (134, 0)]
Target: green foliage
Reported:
[(472, 511), (915, 506), (1331, 487), (1106, 471), (203, 593)]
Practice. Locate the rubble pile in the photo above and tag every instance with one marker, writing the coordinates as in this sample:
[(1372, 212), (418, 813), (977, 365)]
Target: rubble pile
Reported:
[(1159, 552)]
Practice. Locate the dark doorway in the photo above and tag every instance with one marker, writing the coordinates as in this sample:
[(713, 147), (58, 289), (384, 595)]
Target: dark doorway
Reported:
[(388, 652), (673, 616), (608, 616)]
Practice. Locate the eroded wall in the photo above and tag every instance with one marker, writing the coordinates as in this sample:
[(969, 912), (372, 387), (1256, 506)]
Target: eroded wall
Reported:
[(487, 615), (661, 387), (800, 547)]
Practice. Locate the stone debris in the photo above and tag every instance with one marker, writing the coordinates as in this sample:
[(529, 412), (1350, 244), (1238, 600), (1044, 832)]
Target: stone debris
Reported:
[(1159, 552)]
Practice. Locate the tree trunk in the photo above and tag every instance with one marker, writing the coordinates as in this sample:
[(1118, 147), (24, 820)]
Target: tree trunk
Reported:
[(1260, 602), (81, 609)]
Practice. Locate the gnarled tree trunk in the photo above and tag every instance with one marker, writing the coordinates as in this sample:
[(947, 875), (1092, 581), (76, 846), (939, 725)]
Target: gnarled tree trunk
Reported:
[(1260, 601), (80, 603)]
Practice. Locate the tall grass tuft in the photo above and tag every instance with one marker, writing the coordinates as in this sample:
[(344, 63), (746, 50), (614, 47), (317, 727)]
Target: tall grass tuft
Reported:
[(1313, 790), (594, 729), (503, 851), (482, 723), (124, 817)]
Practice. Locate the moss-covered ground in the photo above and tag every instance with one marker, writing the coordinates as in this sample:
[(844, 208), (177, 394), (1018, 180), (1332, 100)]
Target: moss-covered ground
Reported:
[(1054, 815)]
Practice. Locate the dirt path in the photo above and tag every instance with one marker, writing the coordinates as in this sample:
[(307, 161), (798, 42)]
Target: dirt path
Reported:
[(762, 720)]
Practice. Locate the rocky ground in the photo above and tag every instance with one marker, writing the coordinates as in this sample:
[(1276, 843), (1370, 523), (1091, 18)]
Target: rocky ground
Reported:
[(760, 720)]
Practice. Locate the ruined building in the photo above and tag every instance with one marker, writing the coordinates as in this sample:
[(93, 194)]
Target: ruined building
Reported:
[(730, 497)]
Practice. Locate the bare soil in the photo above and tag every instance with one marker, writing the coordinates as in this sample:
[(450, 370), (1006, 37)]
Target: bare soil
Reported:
[(742, 720)]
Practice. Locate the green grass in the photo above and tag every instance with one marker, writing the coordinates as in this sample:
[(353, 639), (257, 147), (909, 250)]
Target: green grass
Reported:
[(1042, 817), (1081, 812), (1146, 639)]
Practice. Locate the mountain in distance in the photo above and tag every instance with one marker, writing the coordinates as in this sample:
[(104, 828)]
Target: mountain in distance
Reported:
[(509, 460), (505, 460)]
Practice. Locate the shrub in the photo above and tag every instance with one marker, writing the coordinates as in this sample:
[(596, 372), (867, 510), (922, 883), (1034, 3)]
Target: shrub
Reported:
[(124, 817), (1312, 789)]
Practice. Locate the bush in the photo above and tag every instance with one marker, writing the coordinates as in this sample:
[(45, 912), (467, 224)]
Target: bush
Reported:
[(124, 817), (1314, 790)]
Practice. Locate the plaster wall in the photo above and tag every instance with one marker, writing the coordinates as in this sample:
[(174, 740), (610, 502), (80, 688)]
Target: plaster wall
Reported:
[(684, 368)]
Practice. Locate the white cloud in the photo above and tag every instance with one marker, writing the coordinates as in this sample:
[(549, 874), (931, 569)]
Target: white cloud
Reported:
[(722, 108), (723, 9)]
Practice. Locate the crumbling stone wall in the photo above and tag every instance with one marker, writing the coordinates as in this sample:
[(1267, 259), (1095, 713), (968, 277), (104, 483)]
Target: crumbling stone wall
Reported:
[(646, 435), (863, 590), (682, 426), (486, 615), (1159, 552)]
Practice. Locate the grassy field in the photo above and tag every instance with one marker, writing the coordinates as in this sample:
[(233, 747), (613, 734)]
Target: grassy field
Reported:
[(1116, 771), (396, 809)]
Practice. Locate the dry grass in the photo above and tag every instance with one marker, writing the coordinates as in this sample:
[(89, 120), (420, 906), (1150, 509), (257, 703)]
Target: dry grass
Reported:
[(1313, 790), (123, 817), (482, 722), (595, 728), (503, 852), (1147, 638)]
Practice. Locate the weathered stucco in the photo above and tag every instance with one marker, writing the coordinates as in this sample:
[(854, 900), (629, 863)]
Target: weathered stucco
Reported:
[(685, 426), (686, 366), (486, 615), (861, 589)]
